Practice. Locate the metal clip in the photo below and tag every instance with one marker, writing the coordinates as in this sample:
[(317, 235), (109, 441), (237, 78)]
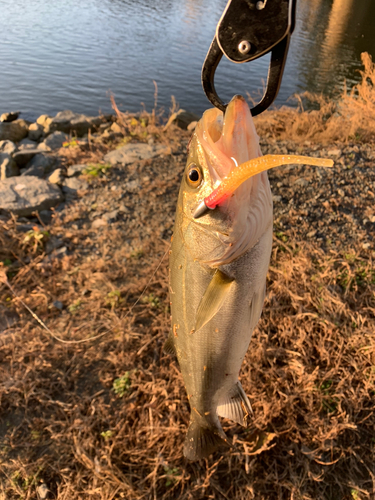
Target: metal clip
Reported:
[(249, 29)]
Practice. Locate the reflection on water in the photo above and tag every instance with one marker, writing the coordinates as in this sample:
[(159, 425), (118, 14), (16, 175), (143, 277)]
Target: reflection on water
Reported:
[(68, 55), (328, 42)]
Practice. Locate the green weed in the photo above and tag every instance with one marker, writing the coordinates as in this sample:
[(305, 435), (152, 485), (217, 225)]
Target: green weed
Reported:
[(113, 298), (137, 253), (283, 237), (25, 483), (96, 169), (107, 434), (329, 402), (171, 474), (123, 142), (73, 142), (36, 238), (122, 385), (35, 435), (152, 300), (73, 308)]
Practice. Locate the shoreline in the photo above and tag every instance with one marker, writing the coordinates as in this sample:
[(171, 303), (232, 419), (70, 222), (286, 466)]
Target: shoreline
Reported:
[(61, 154)]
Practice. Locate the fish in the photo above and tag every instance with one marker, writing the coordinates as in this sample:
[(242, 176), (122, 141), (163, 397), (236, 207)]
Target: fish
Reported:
[(219, 258)]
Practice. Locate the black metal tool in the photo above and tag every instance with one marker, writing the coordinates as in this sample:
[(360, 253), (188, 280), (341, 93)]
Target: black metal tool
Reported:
[(249, 29)]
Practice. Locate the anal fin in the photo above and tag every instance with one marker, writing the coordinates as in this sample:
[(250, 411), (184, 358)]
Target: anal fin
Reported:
[(236, 405)]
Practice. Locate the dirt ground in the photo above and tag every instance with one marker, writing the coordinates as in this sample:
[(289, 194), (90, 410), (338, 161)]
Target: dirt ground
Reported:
[(93, 408), (107, 418)]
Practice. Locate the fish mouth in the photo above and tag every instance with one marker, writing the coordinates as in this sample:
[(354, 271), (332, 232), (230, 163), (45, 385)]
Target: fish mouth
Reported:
[(227, 141), (239, 143), (239, 140)]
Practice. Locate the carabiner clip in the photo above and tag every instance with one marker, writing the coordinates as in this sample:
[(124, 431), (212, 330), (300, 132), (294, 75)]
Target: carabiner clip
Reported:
[(249, 29)]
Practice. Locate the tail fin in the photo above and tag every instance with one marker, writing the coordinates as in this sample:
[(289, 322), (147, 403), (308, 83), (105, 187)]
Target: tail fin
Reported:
[(202, 439)]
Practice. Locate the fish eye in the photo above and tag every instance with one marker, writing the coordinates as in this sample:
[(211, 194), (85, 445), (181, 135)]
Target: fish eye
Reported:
[(194, 175)]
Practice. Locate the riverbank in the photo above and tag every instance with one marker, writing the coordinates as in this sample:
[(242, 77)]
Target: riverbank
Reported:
[(93, 407)]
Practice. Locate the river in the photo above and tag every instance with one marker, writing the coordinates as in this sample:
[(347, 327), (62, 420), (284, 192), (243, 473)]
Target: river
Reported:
[(70, 54)]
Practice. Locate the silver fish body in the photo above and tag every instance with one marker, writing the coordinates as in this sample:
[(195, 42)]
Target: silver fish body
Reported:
[(218, 268)]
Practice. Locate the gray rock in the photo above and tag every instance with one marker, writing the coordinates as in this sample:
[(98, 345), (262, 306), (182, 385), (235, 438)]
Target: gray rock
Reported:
[(104, 126), (108, 135), (42, 491), (192, 126), (25, 156), (132, 152), (26, 144), (132, 186), (58, 305), (334, 152), (73, 184), (302, 182), (10, 117), (44, 121), (25, 195), (76, 170), (35, 132), (7, 147), (98, 223), (53, 141), (33, 171), (7, 318), (110, 216), (182, 118), (46, 216), (15, 131), (60, 253), (53, 244), (44, 160), (56, 177), (24, 228), (8, 167), (67, 121), (115, 127)]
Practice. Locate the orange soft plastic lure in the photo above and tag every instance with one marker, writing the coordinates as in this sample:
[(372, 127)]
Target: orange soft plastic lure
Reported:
[(250, 168)]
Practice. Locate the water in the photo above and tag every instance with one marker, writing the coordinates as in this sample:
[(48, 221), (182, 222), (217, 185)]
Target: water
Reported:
[(69, 55)]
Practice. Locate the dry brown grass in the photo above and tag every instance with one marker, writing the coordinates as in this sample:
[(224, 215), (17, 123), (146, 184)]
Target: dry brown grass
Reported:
[(309, 373), (107, 419), (352, 118)]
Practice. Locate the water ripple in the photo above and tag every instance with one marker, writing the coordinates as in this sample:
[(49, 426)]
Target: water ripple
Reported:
[(68, 55)]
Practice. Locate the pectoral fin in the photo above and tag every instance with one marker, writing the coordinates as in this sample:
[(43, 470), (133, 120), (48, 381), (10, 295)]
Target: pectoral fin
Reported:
[(213, 298), (236, 406)]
